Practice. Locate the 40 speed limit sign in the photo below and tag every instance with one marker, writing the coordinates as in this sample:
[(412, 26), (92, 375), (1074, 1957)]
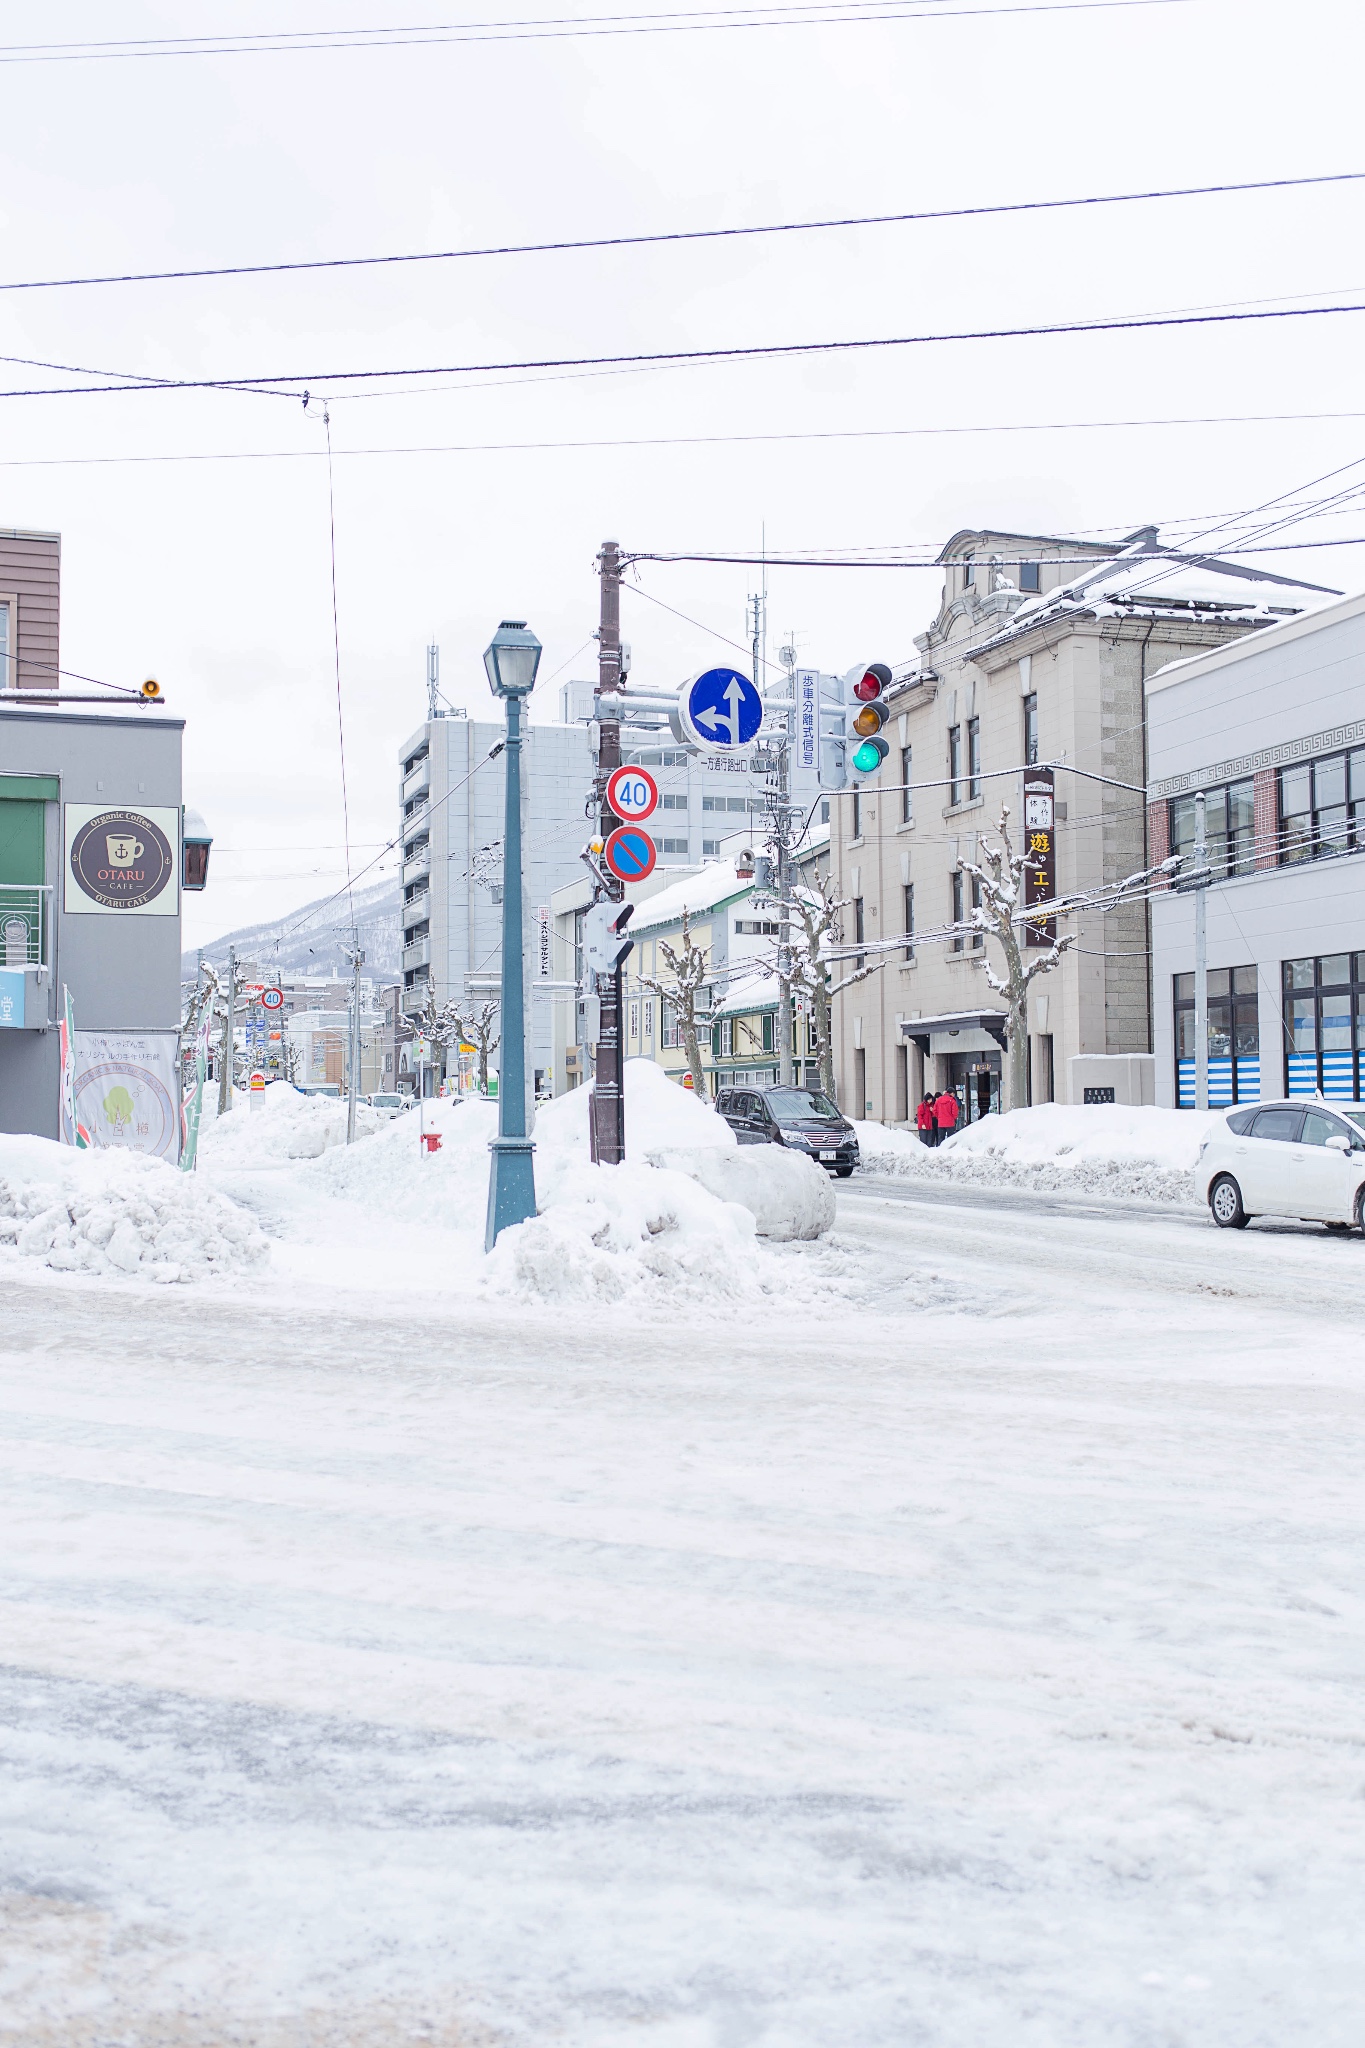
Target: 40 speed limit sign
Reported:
[(632, 793)]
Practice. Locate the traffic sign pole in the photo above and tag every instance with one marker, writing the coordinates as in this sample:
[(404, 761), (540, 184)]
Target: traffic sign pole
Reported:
[(607, 1104)]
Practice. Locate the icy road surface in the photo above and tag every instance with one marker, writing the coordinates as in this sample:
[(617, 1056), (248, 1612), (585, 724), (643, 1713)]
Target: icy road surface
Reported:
[(978, 1666)]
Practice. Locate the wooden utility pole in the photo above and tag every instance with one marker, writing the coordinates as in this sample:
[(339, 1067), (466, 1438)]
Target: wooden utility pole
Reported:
[(227, 1054), (607, 1119)]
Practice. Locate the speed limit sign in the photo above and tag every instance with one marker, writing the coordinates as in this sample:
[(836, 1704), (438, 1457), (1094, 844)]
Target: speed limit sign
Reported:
[(632, 794)]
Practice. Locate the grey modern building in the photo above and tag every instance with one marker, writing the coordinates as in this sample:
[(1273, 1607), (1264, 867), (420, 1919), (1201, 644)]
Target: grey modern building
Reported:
[(1272, 730)]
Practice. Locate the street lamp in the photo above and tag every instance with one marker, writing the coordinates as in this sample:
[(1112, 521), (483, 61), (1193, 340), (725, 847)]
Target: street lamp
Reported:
[(511, 659)]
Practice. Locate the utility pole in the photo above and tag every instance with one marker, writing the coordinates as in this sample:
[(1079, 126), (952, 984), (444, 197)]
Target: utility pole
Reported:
[(607, 1105), (225, 1055), (783, 864), (353, 1092), (433, 679), (1201, 959)]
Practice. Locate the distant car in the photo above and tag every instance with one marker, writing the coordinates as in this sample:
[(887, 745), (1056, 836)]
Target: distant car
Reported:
[(1301, 1159), (388, 1105), (801, 1118)]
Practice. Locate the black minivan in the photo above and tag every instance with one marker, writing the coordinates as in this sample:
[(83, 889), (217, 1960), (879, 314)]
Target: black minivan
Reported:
[(800, 1117)]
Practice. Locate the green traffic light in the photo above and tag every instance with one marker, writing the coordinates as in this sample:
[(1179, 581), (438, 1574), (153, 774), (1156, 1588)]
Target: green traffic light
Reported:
[(868, 758)]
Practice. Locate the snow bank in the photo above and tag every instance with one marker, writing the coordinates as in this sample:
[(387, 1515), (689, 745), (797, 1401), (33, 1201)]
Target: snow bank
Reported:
[(1147, 1154), (280, 1124), (119, 1213), (788, 1195)]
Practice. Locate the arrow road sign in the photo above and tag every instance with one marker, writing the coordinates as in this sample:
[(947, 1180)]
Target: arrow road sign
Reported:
[(632, 794), (721, 708), (630, 853)]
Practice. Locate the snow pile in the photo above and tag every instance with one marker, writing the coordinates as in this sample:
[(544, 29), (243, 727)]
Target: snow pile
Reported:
[(119, 1213), (1146, 1154), (788, 1195), (280, 1124)]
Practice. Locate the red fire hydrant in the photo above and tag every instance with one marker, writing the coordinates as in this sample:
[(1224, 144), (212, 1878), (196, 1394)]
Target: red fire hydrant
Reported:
[(431, 1140)]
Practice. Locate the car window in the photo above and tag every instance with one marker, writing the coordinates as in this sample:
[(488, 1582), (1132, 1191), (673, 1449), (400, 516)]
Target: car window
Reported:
[(724, 1103), (1241, 1121), (1317, 1128), (741, 1105), (1282, 1124)]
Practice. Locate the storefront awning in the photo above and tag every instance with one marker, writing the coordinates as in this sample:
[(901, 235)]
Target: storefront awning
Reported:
[(922, 1031)]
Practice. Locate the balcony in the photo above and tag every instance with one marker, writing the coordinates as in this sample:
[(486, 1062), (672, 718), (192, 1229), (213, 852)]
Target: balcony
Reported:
[(418, 954), (417, 910), (418, 782), (416, 869), (414, 999), (23, 925), (417, 822)]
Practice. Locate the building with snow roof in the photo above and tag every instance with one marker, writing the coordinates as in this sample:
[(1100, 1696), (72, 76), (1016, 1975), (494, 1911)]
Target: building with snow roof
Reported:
[(1040, 653), (1272, 730)]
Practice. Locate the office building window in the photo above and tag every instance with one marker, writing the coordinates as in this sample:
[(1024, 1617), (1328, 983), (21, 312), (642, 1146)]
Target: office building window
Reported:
[(726, 803), (824, 810), (1322, 807), (1234, 1038), (968, 573), (1229, 828), (856, 809), (978, 938), (1324, 1020), (6, 648), (1029, 580), (672, 802), (1031, 730), (954, 764), (973, 757), (858, 932), (907, 792), (672, 846), (957, 880), (909, 908), (709, 846)]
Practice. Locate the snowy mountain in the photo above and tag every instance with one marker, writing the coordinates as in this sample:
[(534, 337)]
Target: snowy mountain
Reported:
[(311, 940)]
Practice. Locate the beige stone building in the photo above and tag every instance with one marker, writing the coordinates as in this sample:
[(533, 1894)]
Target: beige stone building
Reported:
[(1039, 654)]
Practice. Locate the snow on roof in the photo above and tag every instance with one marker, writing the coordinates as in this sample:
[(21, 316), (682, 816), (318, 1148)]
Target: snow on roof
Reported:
[(716, 883), (1311, 620), (747, 992), (1147, 580)]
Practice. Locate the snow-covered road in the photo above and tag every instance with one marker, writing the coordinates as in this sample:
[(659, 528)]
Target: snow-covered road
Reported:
[(978, 1661)]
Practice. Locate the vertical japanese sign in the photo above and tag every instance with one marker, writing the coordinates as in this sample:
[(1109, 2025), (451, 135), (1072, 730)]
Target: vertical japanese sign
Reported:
[(807, 682), (73, 1132), (543, 946), (192, 1103), (1040, 848)]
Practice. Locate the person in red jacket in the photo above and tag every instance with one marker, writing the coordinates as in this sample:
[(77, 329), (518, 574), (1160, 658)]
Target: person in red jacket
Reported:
[(945, 1115), (925, 1121)]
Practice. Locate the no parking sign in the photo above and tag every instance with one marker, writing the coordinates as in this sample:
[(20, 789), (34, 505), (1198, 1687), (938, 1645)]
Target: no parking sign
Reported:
[(630, 853)]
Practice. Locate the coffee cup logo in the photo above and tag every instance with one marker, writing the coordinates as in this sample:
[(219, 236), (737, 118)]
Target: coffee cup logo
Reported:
[(122, 860)]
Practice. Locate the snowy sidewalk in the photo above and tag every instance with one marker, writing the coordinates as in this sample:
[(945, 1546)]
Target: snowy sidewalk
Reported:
[(979, 1666)]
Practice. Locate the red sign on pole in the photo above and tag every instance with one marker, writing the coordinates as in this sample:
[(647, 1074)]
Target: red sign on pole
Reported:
[(630, 853), (632, 793)]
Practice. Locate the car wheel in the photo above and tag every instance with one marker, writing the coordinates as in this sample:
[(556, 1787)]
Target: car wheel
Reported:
[(843, 1173), (1225, 1201), (1360, 1210), (1340, 1229)]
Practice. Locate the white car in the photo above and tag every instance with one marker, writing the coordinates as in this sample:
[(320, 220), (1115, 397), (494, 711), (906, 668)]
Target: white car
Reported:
[(1303, 1159)]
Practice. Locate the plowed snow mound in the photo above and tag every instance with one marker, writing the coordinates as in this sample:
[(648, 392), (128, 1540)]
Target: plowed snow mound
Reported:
[(1143, 1154), (280, 1124), (119, 1213)]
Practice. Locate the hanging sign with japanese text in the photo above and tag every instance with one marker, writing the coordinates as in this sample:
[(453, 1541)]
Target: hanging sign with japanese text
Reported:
[(807, 681), (1040, 850)]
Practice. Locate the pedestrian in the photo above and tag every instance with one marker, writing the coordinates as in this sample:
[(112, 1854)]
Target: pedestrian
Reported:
[(945, 1115), (924, 1119)]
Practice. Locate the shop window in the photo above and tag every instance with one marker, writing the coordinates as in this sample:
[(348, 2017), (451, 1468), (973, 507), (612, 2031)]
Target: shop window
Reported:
[(1322, 807), (1234, 1038), (1229, 829), (1324, 1022)]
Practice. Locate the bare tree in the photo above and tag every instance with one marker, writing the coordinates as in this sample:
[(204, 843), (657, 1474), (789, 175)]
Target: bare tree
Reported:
[(1000, 875), (471, 1026), (813, 973), (690, 965)]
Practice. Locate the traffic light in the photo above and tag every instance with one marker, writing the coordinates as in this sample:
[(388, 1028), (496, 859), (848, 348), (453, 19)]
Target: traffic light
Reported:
[(868, 684), (605, 945)]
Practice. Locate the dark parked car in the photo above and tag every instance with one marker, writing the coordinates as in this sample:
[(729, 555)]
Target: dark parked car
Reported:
[(800, 1117)]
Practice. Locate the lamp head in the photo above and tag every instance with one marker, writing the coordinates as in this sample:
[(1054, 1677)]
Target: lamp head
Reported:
[(511, 659)]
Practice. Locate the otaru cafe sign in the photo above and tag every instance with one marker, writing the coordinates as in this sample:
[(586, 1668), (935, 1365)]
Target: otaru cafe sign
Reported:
[(121, 860)]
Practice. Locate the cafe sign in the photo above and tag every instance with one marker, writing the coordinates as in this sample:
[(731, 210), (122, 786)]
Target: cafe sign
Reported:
[(122, 860)]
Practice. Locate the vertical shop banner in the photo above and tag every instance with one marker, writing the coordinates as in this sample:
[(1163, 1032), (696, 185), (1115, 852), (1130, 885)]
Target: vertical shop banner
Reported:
[(127, 1092), (1040, 848), (192, 1108), (72, 1131)]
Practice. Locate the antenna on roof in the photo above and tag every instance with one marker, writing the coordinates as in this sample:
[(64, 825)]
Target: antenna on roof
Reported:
[(433, 679)]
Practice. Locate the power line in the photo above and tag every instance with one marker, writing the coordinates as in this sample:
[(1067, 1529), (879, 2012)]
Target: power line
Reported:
[(790, 227), (761, 351), (820, 14), (684, 440)]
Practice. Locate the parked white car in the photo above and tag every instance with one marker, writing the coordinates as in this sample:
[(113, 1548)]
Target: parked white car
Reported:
[(1303, 1159)]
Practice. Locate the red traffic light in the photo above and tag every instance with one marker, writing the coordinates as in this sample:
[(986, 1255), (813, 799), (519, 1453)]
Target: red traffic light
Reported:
[(867, 680)]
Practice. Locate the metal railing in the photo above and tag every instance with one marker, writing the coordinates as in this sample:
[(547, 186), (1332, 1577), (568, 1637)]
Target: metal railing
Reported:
[(24, 924)]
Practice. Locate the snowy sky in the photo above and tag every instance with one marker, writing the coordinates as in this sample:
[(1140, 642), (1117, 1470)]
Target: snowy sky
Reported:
[(213, 574)]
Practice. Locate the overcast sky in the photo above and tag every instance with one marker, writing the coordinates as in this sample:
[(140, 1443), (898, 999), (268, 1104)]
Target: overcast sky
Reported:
[(208, 566)]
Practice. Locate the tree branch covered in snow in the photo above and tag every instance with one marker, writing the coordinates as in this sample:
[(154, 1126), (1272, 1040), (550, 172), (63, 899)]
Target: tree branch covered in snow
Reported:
[(690, 966), (814, 938), (1000, 876)]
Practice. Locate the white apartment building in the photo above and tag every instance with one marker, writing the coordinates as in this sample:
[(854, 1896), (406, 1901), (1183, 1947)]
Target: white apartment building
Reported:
[(1040, 652)]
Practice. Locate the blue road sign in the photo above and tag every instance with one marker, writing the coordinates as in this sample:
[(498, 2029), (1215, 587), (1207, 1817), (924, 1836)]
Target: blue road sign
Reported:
[(630, 853), (721, 708)]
